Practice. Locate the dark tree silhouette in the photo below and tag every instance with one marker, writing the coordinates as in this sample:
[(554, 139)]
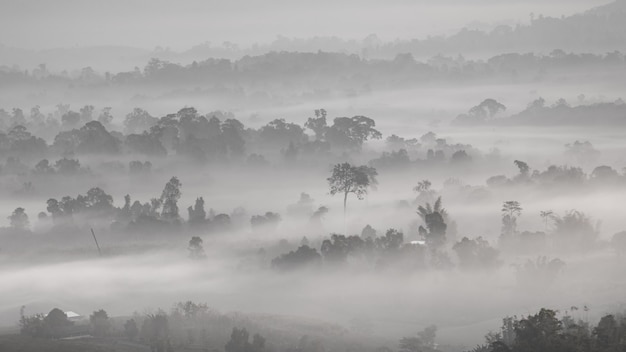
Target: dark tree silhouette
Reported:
[(196, 251), (197, 214), (435, 219), (100, 324), (169, 198), (348, 179), (19, 220), (510, 211), (130, 329), (304, 256), (239, 342)]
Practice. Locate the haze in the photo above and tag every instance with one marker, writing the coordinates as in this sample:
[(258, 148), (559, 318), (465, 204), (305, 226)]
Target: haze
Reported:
[(147, 24), (282, 176)]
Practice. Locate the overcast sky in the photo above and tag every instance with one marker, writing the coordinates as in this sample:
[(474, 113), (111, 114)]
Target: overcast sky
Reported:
[(41, 24)]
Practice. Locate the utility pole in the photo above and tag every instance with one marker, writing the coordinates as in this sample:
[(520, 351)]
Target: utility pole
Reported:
[(96, 240)]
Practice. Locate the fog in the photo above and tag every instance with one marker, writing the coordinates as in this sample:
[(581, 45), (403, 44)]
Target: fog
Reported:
[(148, 24), (407, 176)]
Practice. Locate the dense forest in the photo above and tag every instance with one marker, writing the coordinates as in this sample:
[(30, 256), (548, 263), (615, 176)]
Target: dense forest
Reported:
[(452, 191)]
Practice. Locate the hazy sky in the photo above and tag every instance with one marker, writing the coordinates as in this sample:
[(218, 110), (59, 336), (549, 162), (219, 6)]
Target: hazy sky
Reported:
[(40, 24)]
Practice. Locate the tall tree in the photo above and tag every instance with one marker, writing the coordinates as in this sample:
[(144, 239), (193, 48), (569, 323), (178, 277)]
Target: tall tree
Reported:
[(19, 219), (318, 124), (196, 251), (197, 214), (169, 198), (100, 323), (348, 179), (546, 215), (510, 211), (435, 219)]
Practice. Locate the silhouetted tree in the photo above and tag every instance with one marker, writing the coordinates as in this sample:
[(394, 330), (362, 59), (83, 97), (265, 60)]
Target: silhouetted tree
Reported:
[(304, 256), (32, 325), (336, 249), (524, 169), (348, 179), (19, 220), (130, 329), (545, 216), (239, 342), (155, 331), (351, 132), (423, 342), (435, 219), (318, 124), (196, 251), (55, 323), (197, 214), (574, 231), (476, 253), (510, 211), (368, 232), (100, 324), (138, 121), (270, 220), (169, 198)]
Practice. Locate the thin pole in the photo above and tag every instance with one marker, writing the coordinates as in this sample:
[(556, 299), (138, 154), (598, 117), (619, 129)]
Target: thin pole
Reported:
[(96, 240), (345, 224)]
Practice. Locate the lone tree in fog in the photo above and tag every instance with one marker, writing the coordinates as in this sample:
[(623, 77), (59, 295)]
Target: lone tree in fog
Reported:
[(196, 251), (19, 219), (170, 196), (510, 211), (348, 179), (546, 215)]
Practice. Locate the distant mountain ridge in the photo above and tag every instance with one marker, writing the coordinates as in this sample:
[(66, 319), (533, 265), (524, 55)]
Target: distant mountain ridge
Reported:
[(598, 30), (608, 9)]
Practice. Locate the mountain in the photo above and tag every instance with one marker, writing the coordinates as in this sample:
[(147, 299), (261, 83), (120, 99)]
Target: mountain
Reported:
[(598, 30)]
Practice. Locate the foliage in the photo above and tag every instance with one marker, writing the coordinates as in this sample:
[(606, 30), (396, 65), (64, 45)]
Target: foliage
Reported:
[(100, 324), (239, 342), (510, 211), (423, 342), (155, 332), (435, 219), (169, 198), (19, 220), (130, 329), (346, 179), (574, 232), (196, 251), (303, 257), (475, 254)]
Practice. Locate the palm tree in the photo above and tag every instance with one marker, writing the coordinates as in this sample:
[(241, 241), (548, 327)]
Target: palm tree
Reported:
[(434, 217), (422, 186), (545, 215), (428, 210)]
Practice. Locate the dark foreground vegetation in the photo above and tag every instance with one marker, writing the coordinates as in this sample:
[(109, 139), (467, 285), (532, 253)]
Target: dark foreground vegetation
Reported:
[(196, 327)]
